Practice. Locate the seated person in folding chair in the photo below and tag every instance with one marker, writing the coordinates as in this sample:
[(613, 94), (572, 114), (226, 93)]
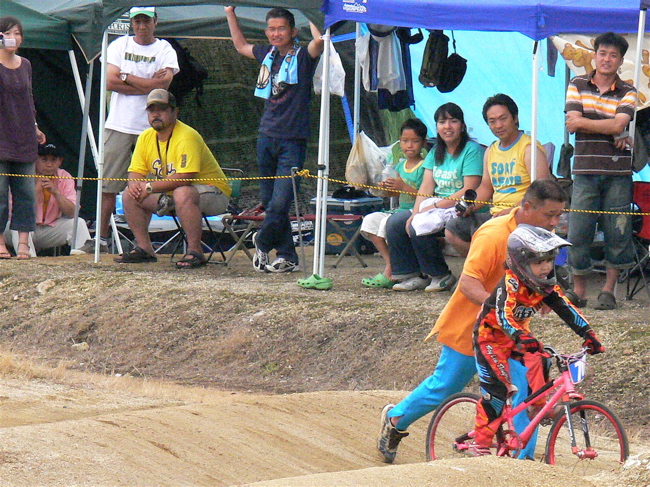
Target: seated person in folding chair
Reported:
[(408, 164), (56, 198), (167, 157)]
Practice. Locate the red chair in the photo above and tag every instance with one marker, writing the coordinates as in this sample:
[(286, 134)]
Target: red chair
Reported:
[(637, 276)]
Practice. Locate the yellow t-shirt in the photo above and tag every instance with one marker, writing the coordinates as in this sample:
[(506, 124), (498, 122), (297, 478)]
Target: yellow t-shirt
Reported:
[(185, 152), (485, 262), (508, 173)]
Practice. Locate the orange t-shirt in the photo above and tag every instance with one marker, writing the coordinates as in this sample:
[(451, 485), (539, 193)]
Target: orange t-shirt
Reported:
[(485, 262)]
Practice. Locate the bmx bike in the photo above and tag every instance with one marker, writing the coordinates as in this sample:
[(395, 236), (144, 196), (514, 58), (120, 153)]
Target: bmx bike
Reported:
[(586, 437)]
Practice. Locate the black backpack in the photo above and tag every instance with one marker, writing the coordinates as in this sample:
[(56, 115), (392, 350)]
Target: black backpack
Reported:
[(190, 77), (453, 71), (435, 55)]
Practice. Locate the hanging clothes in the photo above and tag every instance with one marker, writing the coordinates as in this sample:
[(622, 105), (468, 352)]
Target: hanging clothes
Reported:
[(385, 60)]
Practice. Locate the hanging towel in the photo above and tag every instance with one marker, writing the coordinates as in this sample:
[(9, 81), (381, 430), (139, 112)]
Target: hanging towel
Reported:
[(287, 75)]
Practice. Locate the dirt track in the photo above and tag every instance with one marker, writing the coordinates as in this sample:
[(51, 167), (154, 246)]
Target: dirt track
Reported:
[(236, 330), (108, 434)]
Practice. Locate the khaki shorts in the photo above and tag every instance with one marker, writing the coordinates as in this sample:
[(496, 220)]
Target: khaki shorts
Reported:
[(118, 148), (211, 200)]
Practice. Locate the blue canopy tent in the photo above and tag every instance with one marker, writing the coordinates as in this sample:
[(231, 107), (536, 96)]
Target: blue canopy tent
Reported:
[(536, 19)]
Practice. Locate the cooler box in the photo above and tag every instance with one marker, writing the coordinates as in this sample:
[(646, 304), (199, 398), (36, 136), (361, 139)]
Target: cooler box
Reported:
[(334, 242)]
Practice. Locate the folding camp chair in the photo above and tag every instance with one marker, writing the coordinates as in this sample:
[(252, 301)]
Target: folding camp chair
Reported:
[(214, 243), (637, 277)]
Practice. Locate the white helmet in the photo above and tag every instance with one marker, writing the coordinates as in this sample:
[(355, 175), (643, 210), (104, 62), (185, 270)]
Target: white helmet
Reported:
[(528, 244)]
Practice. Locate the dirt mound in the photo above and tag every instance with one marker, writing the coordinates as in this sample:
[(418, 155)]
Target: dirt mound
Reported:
[(229, 328)]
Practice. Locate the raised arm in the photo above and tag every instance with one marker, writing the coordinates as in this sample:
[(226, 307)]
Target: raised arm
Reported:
[(317, 44), (241, 44)]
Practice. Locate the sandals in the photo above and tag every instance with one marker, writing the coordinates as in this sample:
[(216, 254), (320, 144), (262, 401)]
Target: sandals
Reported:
[(606, 300), (21, 254), (5, 253), (316, 282), (136, 256), (191, 260), (379, 281)]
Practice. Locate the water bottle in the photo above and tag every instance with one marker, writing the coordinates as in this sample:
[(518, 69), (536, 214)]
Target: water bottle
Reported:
[(388, 172)]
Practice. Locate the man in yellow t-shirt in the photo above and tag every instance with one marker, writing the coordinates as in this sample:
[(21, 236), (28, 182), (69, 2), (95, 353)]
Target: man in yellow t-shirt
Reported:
[(506, 171), (171, 160), (542, 206)]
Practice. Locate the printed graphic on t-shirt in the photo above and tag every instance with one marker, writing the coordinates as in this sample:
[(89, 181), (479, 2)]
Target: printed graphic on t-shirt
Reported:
[(137, 58), (503, 177), (160, 171)]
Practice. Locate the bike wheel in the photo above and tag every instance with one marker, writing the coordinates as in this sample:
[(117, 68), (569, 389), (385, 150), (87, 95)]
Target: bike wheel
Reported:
[(451, 420), (600, 437)]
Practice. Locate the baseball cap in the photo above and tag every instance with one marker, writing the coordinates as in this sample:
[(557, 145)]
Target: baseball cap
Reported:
[(161, 97), (49, 150), (148, 11)]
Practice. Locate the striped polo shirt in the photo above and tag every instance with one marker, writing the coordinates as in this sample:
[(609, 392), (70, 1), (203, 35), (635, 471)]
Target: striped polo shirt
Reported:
[(595, 153)]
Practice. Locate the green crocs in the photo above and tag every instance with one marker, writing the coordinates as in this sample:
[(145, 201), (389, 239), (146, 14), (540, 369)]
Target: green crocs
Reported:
[(379, 281), (316, 282)]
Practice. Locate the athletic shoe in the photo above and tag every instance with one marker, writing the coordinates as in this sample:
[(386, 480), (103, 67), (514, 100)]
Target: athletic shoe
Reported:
[(282, 265), (441, 283), (89, 248), (389, 436), (260, 259), (474, 450), (412, 284)]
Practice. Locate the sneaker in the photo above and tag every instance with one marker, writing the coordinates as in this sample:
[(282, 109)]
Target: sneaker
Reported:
[(441, 283), (282, 265), (412, 284), (389, 436), (260, 259), (89, 248), (475, 450)]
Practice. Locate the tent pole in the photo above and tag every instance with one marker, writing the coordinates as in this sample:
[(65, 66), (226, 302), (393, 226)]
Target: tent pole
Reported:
[(323, 164), (533, 124), (82, 148), (102, 120), (357, 85), (91, 136), (638, 61)]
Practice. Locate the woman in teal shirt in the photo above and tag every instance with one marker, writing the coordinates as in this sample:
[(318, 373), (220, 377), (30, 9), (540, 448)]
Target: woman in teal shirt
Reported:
[(455, 166)]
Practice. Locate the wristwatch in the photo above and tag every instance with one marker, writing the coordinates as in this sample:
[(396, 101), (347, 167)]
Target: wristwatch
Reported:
[(148, 188), (123, 77)]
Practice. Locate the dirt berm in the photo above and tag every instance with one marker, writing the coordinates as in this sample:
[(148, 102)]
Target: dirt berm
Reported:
[(146, 375)]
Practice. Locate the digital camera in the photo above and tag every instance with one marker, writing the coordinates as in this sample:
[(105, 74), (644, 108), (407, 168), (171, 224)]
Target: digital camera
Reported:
[(6, 42), (466, 201)]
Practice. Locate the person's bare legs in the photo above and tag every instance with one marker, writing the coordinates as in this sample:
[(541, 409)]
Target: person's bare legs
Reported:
[(611, 278), (186, 200), (580, 285), (458, 244), (108, 207), (382, 247), (138, 216)]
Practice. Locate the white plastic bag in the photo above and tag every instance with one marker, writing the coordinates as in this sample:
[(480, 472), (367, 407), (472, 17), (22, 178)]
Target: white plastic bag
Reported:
[(365, 162), (337, 74)]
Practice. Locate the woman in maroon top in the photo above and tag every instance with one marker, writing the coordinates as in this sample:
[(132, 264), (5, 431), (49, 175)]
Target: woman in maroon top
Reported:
[(19, 139)]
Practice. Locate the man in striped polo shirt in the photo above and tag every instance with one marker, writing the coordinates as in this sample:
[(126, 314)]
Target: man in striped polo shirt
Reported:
[(599, 107)]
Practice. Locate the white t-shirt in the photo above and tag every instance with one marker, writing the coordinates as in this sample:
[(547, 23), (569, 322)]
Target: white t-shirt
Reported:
[(127, 112)]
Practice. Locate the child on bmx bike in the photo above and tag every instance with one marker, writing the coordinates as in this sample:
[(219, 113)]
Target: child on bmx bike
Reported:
[(502, 329)]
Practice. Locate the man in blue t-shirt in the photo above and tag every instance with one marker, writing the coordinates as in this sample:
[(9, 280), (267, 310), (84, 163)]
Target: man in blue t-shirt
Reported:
[(285, 82)]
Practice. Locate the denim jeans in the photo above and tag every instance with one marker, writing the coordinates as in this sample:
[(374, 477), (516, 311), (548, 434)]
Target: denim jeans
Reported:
[(23, 211), (410, 254), (600, 193), (276, 157)]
